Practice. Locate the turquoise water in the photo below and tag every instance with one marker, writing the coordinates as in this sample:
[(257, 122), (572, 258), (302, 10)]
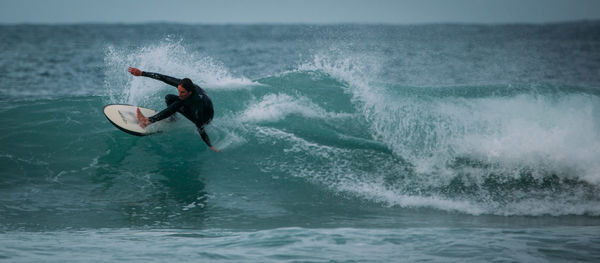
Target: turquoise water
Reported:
[(366, 143)]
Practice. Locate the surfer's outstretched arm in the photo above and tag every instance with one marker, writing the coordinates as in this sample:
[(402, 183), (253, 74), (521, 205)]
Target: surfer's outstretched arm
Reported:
[(164, 78)]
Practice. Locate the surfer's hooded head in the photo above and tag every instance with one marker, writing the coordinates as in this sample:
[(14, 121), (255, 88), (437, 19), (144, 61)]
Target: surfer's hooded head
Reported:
[(188, 85), (185, 88)]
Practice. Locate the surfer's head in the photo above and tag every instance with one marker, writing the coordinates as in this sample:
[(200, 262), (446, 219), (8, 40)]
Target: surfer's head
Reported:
[(185, 88)]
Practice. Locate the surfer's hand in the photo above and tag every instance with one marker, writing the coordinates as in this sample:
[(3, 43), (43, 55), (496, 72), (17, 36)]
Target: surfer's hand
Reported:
[(142, 120), (134, 71), (214, 149)]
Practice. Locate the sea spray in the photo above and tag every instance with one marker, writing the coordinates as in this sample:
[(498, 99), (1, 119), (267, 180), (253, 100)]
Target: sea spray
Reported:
[(471, 149), (169, 58)]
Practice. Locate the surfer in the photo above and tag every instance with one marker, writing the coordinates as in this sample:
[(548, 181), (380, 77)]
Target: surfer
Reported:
[(192, 102)]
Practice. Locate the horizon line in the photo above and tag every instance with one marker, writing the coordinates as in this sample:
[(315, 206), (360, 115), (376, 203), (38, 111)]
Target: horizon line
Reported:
[(574, 21)]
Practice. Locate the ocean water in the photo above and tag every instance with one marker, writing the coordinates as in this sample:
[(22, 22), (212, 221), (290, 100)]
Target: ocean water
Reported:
[(340, 143)]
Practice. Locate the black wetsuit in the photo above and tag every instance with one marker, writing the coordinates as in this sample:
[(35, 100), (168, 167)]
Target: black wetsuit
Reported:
[(197, 107)]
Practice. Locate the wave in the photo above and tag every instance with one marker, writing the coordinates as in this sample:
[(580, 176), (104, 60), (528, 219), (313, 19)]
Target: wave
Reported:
[(506, 150), (333, 122)]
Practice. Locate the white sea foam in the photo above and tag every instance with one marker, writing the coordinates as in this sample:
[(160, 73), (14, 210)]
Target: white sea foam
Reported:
[(169, 58), (559, 135), (275, 107)]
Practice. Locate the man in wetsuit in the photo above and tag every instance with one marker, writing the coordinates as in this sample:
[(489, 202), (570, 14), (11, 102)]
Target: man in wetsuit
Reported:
[(192, 102)]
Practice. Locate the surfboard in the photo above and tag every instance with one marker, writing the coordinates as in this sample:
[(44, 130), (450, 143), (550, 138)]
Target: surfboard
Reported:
[(124, 117)]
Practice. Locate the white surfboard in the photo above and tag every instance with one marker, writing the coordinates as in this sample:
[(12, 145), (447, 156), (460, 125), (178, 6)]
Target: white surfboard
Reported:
[(124, 117)]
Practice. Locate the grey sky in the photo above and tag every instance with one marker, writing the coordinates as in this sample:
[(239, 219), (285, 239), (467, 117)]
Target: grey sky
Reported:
[(305, 11)]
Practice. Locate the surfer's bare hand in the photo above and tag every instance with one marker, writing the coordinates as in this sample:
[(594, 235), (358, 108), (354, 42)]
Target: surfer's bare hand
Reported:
[(214, 149), (142, 120), (134, 71)]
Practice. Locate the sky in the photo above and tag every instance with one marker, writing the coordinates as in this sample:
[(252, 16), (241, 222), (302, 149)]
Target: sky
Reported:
[(297, 11)]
